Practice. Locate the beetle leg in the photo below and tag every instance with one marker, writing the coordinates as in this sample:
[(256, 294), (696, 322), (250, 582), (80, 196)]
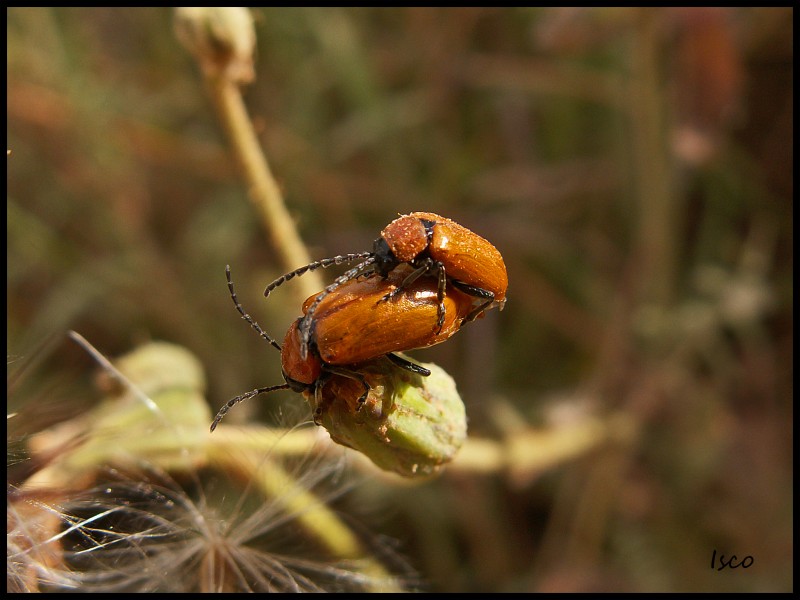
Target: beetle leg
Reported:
[(440, 296), (472, 290), (363, 397), (408, 365), (352, 375), (478, 293), (425, 267), (319, 400), (410, 278), (318, 410), (475, 312)]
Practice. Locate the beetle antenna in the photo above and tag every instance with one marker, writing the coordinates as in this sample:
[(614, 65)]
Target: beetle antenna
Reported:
[(245, 316), (324, 263), (234, 401), (305, 325)]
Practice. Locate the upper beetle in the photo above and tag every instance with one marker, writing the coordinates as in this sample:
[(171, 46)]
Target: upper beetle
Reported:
[(432, 245), (352, 327)]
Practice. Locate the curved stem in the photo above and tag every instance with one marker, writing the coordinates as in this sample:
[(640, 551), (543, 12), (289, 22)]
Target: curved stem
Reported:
[(263, 191)]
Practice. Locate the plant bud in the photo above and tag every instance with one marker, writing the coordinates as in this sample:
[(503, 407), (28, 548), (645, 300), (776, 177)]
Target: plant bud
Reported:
[(409, 424), (222, 39)]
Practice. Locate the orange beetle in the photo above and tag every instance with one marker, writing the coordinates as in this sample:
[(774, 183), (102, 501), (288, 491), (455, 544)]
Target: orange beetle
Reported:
[(431, 244), (434, 243), (353, 324), (353, 327)]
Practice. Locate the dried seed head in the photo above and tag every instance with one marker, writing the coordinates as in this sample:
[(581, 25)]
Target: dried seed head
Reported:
[(221, 38)]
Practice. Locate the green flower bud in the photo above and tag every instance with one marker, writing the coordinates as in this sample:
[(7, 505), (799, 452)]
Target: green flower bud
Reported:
[(409, 424)]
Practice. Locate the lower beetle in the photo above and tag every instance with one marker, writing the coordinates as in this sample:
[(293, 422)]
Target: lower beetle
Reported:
[(353, 327)]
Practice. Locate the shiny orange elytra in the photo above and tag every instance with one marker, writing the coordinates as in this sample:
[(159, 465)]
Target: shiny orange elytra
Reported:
[(353, 326), (426, 239), (431, 245)]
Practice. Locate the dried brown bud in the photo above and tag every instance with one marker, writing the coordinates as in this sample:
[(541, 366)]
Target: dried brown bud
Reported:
[(221, 38)]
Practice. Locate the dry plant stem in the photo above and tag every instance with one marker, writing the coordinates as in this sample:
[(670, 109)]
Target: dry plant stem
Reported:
[(311, 512), (261, 439), (522, 454), (264, 192), (656, 199)]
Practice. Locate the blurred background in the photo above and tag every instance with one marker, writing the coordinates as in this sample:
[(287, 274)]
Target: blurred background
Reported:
[(633, 166)]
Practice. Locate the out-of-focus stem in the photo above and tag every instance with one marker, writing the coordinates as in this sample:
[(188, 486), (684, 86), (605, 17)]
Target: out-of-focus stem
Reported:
[(223, 40), (264, 192), (522, 454), (656, 235)]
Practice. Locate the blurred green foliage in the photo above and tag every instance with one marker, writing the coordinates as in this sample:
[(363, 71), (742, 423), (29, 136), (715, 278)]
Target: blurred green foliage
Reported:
[(634, 167)]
